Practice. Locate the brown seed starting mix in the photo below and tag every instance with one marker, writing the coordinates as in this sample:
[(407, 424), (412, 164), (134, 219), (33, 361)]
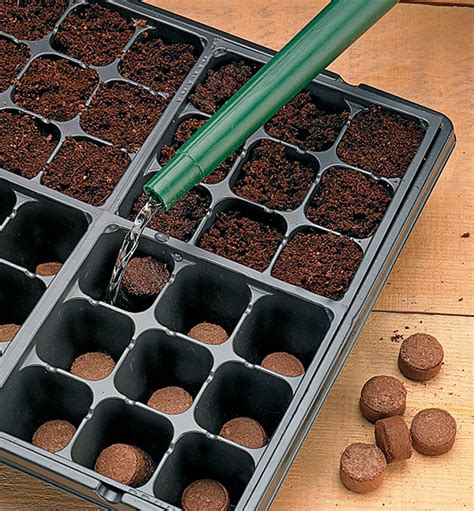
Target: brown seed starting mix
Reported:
[(157, 64), (94, 34), (349, 202), (381, 397), (242, 239), (185, 130), (307, 124), (171, 400), (433, 431), (244, 431), (208, 333), (182, 219), (420, 357), (13, 58), (273, 179), (283, 363), (54, 435), (55, 88), (205, 495), (31, 19), (26, 145), (221, 84), (93, 365), (86, 170), (324, 264), (8, 331), (123, 114), (381, 141)]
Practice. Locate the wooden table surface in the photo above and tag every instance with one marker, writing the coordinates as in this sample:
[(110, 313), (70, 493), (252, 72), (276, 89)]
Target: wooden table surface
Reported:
[(422, 51)]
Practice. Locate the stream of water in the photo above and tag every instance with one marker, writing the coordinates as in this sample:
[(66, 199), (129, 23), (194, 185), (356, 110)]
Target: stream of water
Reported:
[(129, 245)]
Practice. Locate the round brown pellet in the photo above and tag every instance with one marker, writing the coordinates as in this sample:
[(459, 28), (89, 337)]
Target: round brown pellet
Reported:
[(420, 357), (94, 365), (126, 464), (208, 333), (48, 269), (433, 431), (362, 467), (393, 438), (8, 332), (205, 495), (53, 435), (244, 431), (381, 397), (283, 363), (171, 400)]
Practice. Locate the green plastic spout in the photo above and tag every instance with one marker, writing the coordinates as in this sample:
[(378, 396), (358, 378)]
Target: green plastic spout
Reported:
[(333, 30)]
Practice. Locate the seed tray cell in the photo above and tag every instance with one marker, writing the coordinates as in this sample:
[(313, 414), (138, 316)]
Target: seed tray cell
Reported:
[(13, 58), (66, 316)]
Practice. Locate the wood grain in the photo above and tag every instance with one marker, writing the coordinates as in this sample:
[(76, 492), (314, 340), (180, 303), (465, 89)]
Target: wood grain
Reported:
[(423, 53)]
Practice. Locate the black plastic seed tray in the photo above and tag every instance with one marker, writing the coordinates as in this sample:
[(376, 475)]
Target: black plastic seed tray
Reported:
[(65, 315)]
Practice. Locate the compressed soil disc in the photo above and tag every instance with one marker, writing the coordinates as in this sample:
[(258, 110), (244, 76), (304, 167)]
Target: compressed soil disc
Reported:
[(381, 397), (208, 333), (283, 363), (420, 357), (53, 435), (8, 332), (126, 464), (48, 269), (433, 431), (93, 365), (362, 467), (171, 400), (205, 495), (393, 438), (244, 431)]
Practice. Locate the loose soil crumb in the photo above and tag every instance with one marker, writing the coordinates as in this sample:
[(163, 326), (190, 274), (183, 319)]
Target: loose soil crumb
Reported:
[(321, 263), (182, 219), (157, 64), (86, 170), (94, 34), (303, 122), (123, 114), (381, 141), (221, 84), (26, 145), (13, 58), (186, 130), (273, 179), (466, 235), (349, 202), (242, 239), (55, 88), (30, 19)]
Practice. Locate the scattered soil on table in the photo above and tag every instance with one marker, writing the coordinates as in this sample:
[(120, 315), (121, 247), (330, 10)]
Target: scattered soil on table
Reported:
[(13, 58), (186, 130), (349, 202), (381, 141), (30, 19), (242, 239), (182, 219), (159, 65), (55, 88), (466, 235), (273, 179), (86, 170), (305, 123), (94, 34), (26, 145), (321, 263), (221, 84), (123, 114)]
